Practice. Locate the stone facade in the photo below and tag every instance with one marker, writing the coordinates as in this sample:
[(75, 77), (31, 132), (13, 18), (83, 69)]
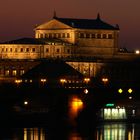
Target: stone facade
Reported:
[(11, 69), (86, 41), (65, 37), (83, 43)]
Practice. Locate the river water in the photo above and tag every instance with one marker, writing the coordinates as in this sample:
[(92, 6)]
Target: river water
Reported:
[(87, 130), (104, 131)]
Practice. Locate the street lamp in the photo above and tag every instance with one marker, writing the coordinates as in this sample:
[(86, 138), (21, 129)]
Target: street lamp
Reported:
[(87, 80), (120, 90), (86, 91), (25, 103), (137, 52), (105, 80), (43, 81), (62, 81), (130, 90), (18, 81)]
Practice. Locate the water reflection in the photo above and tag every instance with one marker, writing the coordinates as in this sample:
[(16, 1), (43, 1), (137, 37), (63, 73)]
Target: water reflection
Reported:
[(75, 106), (118, 131), (110, 131), (34, 134)]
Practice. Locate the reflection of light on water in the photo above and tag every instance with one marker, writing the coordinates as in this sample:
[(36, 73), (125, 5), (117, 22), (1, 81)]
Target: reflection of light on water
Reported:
[(131, 133), (75, 106), (33, 134), (75, 136), (115, 132)]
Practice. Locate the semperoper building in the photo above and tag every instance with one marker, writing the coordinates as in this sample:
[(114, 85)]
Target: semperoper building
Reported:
[(90, 46)]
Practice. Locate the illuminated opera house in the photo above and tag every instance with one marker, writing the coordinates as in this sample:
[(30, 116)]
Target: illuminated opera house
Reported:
[(71, 52), (87, 45)]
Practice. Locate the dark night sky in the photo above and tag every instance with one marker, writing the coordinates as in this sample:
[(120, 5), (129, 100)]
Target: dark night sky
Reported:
[(18, 17)]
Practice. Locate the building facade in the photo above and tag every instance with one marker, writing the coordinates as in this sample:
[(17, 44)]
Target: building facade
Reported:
[(65, 37), (88, 45)]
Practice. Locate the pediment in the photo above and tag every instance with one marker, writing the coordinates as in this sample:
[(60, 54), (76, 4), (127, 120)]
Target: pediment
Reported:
[(53, 24)]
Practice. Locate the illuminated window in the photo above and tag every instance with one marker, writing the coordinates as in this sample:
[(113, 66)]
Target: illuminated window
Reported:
[(47, 49), (114, 113), (7, 72), (110, 36), (27, 49), (81, 35), (21, 50), (33, 49), (63, 35), (57, 50), (68, 35), (54, 35), (21, 72), (68, 50), (49, 35), (104, 35), (98, 36), (14, 72), (87, 35), (93, 36), (46, 35), (41, 35), (15, 49), (59, 35)]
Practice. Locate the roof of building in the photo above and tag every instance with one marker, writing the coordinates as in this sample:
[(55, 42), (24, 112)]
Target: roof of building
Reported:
[(51, 69), (25, 41), (34, 41), (87, 23)]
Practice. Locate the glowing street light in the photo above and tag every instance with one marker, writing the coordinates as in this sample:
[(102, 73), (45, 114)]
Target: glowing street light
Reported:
[(86, 80), (105, 80), (130, 98), (130, 90), (43, 81), (62, 81), (120, 90), (86, 91), (25, 103), (18, 81), (137, 52)]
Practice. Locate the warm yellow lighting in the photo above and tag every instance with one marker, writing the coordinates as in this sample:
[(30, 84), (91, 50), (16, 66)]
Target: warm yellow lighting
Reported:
[(86, 91), (114, 113), (31, 81), (130, 90), (25, 102), (77, 103), (18, 81), (75, 106), (137, 52), (43, 80), (86, 80), (120, 90), (63, 80), (130, 97), (105, 80)]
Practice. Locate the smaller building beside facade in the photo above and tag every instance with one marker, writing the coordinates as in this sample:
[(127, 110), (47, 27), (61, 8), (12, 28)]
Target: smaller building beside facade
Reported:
[(121, 110)]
